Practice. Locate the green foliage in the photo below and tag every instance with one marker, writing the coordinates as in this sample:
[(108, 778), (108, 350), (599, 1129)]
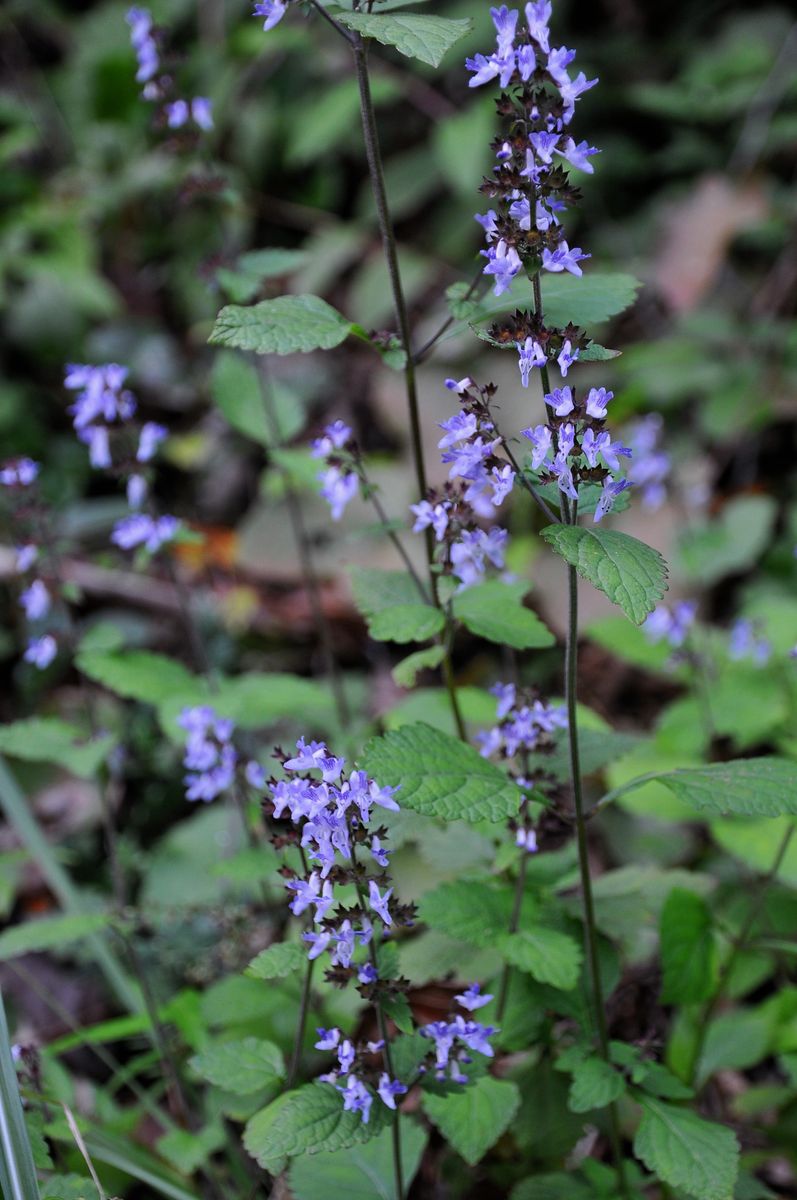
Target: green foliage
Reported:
[(473, 1117), (586, 302), (440, 776), (49, 933), (240, 1067), (688, 951), (287, 325), (494, 611), (236, 391), (51, 740), (595, 1084), (309, 1120), (136, 674), (413, 34), (686, 1151), (475, 912), (729, 544), (277, 961), (17, 1170), (362, 1172), (631, 574), (406, 623), (406, 672), (751, 787), (550, 956), (68, 1187)]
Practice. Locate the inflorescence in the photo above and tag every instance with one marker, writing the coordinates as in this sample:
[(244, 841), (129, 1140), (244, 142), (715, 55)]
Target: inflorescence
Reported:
[(158, 86)]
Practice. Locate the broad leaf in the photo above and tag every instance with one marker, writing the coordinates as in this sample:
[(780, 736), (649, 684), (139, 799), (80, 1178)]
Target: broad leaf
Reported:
[(631, 574), (493, 611), (49, 933), (48, 739), (473, 1118), (597, 749), (277, 961), (688, 952), (309, 1120), (240, 1067), (687, 1152), (559, 1185), (236, 391), (751, 787), (595, 297), (477, 912), (595, 1084), (406, 623), (374, 590), (440, 776), (550, 956), (287, 325), (359, 1172), (415, 35), (406, 672), (136, 674)]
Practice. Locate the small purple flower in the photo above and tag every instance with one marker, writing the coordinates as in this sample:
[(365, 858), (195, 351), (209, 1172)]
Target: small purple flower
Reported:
[(338, 489), (578, 155), (746, 643), (561, 401), (149, 439), (526, 839), (502, 480), (25, 558), (202, 112), (356, 1097), (334, 438), (460, 386), (564, 477), (559, 59), (564, 259), (328, 1039), (597, 402), (272, 10), (544, 145), (367, 973), (505, 21), (434, 515), (141, 530), (41, 651), (389, 1088), (177, 114), (96, 437), (140, 22), (255, 775), (459, 428), (601, 444), (35, 600), (484, 69), (379, 903), (567, 356), (537, 17), (612, 488), (20, 473), (136, 491), (472, 998), (378, 852), (530, 355), (565, 439), (504, 264), (317, 942), (505, 693), (540, 438), (346, 1056)]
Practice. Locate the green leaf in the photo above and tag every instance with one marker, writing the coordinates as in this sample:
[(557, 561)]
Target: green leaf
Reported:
[(416, 36), (359, 1172), (688, 952), (440, 776), (473, 1118), (49, 933), (277, 961), (17, 1171), (597, 749), (240, 1067), (236, 392), (729, 544), (48, 739), (287, 325), (587, 301), (406, 623), (595, 1084), (686, 1151), (406, 672), (309, 1120), (374, 590), (550, 956), (558, 1185), (242, 282), (477, 912), (631, 574), (493, 611), (751, 787), (136, 674), (68, 1187)]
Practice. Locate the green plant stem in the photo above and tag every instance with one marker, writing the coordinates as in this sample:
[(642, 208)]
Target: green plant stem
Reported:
[(514, 921), (428, 345), (739, 943), (304, 1007), (590, 927)]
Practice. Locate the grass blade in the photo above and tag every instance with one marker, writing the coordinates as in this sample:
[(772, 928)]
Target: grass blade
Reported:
[(17, 1172)]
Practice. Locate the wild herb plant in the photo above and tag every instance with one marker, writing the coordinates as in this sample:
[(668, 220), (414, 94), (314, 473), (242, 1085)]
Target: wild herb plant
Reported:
[(525, 1071)]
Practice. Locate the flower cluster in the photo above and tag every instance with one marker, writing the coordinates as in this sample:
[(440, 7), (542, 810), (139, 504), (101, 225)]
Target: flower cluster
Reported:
[(339, 480), (671, 625), (158, 85), (651, 466), (478, 483), (525, 726), (17, 479), (456, 1039), (211, 760), (747, 643), (272, 11), (102, 414), (530, 184), (574, 446)]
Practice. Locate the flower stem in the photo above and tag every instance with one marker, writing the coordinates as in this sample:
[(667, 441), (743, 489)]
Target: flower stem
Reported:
[(304, 1006), (514, 920)]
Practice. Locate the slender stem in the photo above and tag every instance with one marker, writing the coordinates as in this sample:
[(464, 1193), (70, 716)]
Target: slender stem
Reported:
[(514, 921), (304, 1006), (530, 488), (739, 943), (396, 541), (432, 341), (336, 25)]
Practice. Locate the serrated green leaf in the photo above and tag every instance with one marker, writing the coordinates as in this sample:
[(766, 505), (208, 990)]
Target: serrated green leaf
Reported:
[(688, 952), (406, 623), (136, 674), (597, 749), (658, 1081), (440, 776), (375, 590), (277, 961), (751, 787), (477, 912), (595, 1084), (631, 574), (406, 672), (48, 739), (550, 956), (492, 610), (286, 325), (414, 35), (68, 1187), (556, 1186), (473, 1118), (188, 1150), (309, 1120), (686, 1151), (49, 933), (586, 302), (240, 1067), (359, 1172), (235, 388)]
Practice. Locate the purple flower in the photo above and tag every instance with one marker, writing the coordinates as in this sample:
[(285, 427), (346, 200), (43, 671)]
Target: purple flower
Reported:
[(389, 1088), (141, 530), (356, 1097), (35, 600), (209, 756), (565, 439), (317, 942), (460, 386), (41, 651), (379, 903), (505, 694), (561, 401), (502, 480), (540, 438), (673, 626), (472, 998), (140, 22), (96, 437), (564, 477), (526, 839), (427, 514), (255, 775), (328, 1039), (559, 59), (567, 356), (597, 402), (202, 112), (307, 758), (484, 69), (177, 114), (504, 264), (505, 21), (136, 491), (378, 852), (745, 643), (346, 1056), (564, 259), (367, 973), (651, 466), (149, 439), (612, 488), (334, 438), (25, 558), (338, 489), (470, 555), (537, 17), (544, 145), (578, 155), (459, 428), (520, 212), (601, 444), (571, 90), (272, 10), (530, 354), (20, 473)]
